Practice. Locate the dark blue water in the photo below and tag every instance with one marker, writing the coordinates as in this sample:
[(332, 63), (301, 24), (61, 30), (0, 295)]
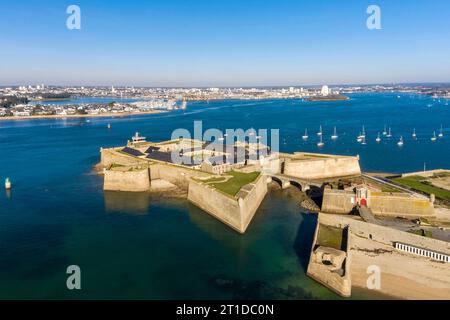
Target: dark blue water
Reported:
[(143, 246)]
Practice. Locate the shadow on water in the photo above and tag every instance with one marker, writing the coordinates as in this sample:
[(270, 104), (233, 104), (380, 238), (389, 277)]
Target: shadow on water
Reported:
[(137, 203), (304, 239), (316, 195)]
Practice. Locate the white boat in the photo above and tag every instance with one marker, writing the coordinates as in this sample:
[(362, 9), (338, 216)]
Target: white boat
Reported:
[(360, 138), (320, 144), (378, 139), (385, 131), (389, 134), (400, 143), (137, 138), (441, 133), (414, 135), (305, 136), (363, 135), (320, 131), (363, 142), (334, 136), (109, 125), (433, 138)]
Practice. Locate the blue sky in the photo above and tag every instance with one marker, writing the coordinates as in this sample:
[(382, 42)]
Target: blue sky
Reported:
[(223, 43)]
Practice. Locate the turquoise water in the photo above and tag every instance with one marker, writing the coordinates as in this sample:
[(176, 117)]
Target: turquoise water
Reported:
[(142, 246)]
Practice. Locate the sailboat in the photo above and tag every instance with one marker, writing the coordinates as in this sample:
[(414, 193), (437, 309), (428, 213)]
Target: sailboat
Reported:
[(183, 105), (320, 131), (363, 135), (363, 142), (414, 135), (400, 143), (305, 136), (360, 138), (433, 138), (385, 131), (334, 136), (389, 134), (441, 133), (320, 144), (378, 139)]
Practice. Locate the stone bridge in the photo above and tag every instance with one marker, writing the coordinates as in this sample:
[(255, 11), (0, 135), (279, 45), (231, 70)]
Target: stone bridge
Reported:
[(286, 181)]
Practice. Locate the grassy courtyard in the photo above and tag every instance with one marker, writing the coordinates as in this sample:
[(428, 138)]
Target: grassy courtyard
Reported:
[(235, 183), (330, 237), (420, 184)]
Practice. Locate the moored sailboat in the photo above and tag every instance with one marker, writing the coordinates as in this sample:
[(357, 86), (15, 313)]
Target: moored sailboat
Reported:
[(334, 136)]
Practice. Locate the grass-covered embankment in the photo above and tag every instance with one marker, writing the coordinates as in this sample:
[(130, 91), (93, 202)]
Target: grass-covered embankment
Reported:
[(421, 184), (236, 181)]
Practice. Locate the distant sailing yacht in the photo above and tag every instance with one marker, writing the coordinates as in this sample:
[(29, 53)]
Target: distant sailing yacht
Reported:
[(441, 133), (363, 141), (389, 134), (305, 136), (378, 139), (320, 144), (385, 131), (360, 138), (433, 138), (183, 105), (400, 143), (320, 131), (414, 135), (334, 136), (363, 135)]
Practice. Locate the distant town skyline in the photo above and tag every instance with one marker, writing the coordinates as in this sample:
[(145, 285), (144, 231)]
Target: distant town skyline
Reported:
[(224, 44)]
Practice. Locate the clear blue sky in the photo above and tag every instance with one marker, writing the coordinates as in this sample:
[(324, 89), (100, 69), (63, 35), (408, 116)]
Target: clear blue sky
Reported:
[(223, 42)]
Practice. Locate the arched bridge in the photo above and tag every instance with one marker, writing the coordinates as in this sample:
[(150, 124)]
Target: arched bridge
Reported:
[(286, 181)]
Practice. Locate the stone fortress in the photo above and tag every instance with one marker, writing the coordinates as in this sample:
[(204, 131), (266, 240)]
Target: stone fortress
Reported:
[(229, 182)]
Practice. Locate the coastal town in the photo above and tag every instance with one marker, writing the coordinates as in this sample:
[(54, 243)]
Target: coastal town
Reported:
[(54, 101)]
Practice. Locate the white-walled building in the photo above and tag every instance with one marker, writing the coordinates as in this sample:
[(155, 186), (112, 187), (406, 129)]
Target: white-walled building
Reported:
[(325, 91)]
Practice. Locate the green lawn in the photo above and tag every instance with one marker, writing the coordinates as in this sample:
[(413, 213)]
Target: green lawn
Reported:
[(234, 184), (423, 233), (416, 183)]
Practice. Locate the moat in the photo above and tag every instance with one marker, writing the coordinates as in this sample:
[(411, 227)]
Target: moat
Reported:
[(146, 246)]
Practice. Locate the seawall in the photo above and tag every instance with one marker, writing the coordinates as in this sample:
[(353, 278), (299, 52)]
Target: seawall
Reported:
[(112, 156), (237, 212), (322, 168), (381, 204), (131, 180), (403, 275), (338, 201), (405, 206)]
